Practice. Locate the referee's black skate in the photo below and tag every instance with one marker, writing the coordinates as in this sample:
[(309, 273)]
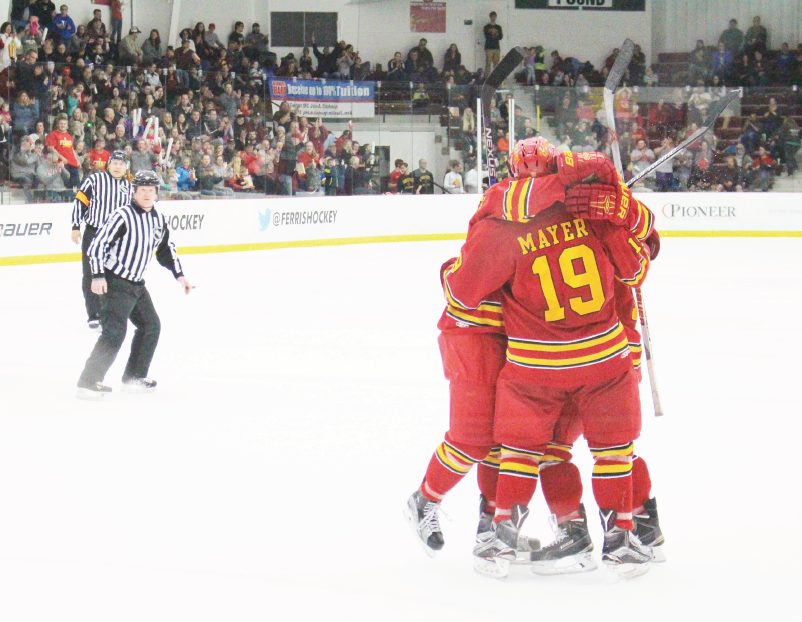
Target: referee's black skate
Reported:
[(92, 391), (138, 385), (424, 521), (570, 553), (622, 550), (93, 323), (647, 528)]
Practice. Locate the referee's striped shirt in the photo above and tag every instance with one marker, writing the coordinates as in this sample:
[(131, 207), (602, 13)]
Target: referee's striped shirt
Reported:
[(126, 243), (98, 198)]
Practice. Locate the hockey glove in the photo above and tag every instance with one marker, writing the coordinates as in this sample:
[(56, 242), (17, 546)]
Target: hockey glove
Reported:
[(600, 202), (574, 167)]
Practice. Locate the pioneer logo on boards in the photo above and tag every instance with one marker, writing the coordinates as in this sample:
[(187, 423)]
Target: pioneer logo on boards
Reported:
[(28, 228), (675, 210)]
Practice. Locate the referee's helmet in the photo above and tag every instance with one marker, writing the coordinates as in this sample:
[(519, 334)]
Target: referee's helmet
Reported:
[(119, 155), (145, 178)]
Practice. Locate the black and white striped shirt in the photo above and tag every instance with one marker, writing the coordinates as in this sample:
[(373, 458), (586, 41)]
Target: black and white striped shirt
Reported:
[(126, 243), (98, 198)]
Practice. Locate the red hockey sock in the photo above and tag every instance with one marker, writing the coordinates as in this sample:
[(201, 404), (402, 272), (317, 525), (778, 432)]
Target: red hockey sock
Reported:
[(449, 464), (517, 478), (641, 484), (562, 488), (487, 477), (612, 481)]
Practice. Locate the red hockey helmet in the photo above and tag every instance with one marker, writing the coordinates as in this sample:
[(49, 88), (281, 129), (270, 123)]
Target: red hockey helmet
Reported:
[(532, 157)]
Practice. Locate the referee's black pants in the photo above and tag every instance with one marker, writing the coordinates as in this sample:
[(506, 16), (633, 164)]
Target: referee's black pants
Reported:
[(122, 301), (92, 301)]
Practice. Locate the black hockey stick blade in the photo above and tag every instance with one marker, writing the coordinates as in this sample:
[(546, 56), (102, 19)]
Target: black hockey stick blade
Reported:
[(620, 66), (500, 73), (713, 114)]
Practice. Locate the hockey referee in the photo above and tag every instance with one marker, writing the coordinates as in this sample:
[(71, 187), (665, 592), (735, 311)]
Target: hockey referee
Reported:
[(119, 256), (99, 196)]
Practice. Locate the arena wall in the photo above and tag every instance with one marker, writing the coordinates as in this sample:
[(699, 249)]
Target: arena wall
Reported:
[(41, 233)]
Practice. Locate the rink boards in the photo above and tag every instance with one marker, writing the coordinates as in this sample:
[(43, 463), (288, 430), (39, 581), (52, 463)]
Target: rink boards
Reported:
[(41, 233)]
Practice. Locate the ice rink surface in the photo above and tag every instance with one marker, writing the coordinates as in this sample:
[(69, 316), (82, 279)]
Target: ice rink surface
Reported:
[(300, 398)]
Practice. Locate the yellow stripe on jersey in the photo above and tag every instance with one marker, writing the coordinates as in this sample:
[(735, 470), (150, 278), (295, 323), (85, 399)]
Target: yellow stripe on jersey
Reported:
[(619, 450), (644, 225), (567, 346), (634, 314), (598, 357), (635, 351), (636, 280), (515, 208), (459, 315)]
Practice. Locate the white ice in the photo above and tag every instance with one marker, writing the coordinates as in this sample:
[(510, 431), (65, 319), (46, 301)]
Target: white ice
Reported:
[(300, 397)]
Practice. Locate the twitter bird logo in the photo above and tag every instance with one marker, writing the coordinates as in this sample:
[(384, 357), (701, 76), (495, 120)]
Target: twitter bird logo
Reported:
[(264, 219)]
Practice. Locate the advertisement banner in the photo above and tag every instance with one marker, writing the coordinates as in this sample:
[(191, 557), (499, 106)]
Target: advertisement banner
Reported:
[(325, 98), (41, 233), (427, 16)]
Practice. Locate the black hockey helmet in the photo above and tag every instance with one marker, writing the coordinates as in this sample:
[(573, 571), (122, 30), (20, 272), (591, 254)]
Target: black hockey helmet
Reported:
[(120, 156), (145, 178)]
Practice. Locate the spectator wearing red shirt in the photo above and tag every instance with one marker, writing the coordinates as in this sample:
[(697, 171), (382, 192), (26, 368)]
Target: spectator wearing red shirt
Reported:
[(98, 156), (60, 142), (255, 166), (309, 158), (392, 181)]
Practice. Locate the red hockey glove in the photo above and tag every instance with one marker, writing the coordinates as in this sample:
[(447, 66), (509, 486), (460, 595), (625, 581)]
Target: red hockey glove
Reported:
[(653, 242), (574, 167), (600, 202)]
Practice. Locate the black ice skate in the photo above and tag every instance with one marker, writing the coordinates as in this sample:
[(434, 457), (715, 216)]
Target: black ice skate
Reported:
[(570, 553), (485, 533), (138, 385), (423, 519), (93, 323), (622, 550), (92, 391), (494, 556), (647, 528)]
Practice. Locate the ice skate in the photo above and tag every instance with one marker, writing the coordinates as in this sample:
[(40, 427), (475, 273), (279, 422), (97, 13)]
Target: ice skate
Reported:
[(493, 557), (570, 553), (484, 533), (622, 550), (93, 323), (92, 391), (647, 528), (423, 519), (138, 385)]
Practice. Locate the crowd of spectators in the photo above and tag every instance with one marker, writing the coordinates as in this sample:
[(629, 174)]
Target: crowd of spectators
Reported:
[(200, 114)]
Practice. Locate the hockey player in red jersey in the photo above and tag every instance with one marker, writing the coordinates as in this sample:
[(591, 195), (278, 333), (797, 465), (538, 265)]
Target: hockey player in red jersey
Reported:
[(472, 342), (565, 345)]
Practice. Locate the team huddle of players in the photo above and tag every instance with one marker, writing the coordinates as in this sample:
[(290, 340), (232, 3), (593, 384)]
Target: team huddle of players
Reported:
[(540, 345)]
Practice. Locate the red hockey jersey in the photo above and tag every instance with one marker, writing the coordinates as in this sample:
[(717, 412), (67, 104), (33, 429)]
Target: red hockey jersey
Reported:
[(556, 278)]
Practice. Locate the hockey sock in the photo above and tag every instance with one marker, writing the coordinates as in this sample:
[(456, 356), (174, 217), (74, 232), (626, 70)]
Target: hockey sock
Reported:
[(612, 481), (449, 464), (641, 485), (561, 481), (517, 478), (487, 477)]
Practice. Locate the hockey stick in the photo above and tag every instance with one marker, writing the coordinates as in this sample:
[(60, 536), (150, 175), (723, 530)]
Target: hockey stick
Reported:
[(616, 73), (613, 80), (714, 114), (500, 73)]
